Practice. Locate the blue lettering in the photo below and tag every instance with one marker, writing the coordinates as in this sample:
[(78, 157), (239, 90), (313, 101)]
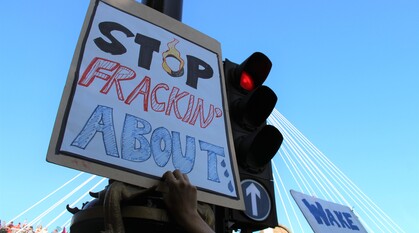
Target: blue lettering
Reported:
[(182, 162), (325, 216), (100, 121), (341, 220), (348, 217), (212, 152), (331, 218), (161, 137), (135, 146), (318, 212)]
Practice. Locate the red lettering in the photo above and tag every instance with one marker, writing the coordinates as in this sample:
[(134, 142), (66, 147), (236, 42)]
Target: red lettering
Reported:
[(188, 113), (142, 88), (199, 111), (94, 70), (155, 104), (116, 74), (172, 102), (122, 73)]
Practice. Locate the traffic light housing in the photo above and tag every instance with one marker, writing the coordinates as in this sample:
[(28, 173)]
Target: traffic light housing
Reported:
[(256, 143)]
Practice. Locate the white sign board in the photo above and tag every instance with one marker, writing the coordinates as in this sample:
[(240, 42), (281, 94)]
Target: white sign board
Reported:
[(145, 95), (324, 216)]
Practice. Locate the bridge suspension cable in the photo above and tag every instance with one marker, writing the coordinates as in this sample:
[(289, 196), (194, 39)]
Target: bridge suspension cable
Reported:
[(76, 201), (46, 197), (38, 218), (302, 159)]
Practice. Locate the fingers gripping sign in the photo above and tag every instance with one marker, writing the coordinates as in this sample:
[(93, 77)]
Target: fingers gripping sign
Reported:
[(180, 197), (181, 194)]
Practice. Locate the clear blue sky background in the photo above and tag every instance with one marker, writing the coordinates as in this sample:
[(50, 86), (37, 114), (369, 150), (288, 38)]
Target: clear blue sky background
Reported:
[(346, 74)]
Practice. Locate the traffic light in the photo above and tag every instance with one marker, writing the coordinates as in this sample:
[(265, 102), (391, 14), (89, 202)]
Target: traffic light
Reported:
[(256, 143)]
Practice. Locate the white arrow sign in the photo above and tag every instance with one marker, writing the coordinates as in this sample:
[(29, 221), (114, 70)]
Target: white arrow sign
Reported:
[(256, 199), (254, 192)]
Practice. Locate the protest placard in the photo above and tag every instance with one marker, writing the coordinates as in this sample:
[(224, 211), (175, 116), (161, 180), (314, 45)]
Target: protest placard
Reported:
[(145, 95)]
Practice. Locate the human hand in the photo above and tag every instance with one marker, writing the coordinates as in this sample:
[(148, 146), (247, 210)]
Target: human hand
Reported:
[(181, 201), (181, 197)]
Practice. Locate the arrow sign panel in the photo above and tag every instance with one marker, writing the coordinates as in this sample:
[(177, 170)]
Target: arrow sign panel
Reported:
[(253, 192), (256, 200)]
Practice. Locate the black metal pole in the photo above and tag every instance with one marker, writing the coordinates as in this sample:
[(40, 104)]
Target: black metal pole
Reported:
[(172, 8)]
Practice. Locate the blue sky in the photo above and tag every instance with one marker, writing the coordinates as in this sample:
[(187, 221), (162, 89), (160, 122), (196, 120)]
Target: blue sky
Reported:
[(346, 75)]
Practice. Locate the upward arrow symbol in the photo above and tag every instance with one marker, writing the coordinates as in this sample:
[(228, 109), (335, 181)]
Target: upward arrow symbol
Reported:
[(254, 192)]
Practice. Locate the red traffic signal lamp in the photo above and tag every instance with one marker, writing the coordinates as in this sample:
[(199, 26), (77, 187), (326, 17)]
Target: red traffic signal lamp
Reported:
[(256, 143), (250, 104)]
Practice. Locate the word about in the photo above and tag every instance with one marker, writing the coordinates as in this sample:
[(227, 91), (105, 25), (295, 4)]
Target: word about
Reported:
[(136, 147)]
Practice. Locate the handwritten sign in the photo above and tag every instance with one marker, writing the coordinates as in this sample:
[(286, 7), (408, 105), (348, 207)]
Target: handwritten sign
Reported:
[(145, 95), (324, 216)]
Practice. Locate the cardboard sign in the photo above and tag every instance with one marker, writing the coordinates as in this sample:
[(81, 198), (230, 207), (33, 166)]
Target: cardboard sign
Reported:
[(324, 216), (144, 95)]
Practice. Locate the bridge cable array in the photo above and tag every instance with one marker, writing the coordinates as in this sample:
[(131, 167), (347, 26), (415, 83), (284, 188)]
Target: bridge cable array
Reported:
[(314, 174), (63, 195)]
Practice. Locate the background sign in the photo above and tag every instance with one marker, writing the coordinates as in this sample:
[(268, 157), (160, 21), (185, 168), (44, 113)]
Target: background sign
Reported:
[(145, 95), (324, 216)]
